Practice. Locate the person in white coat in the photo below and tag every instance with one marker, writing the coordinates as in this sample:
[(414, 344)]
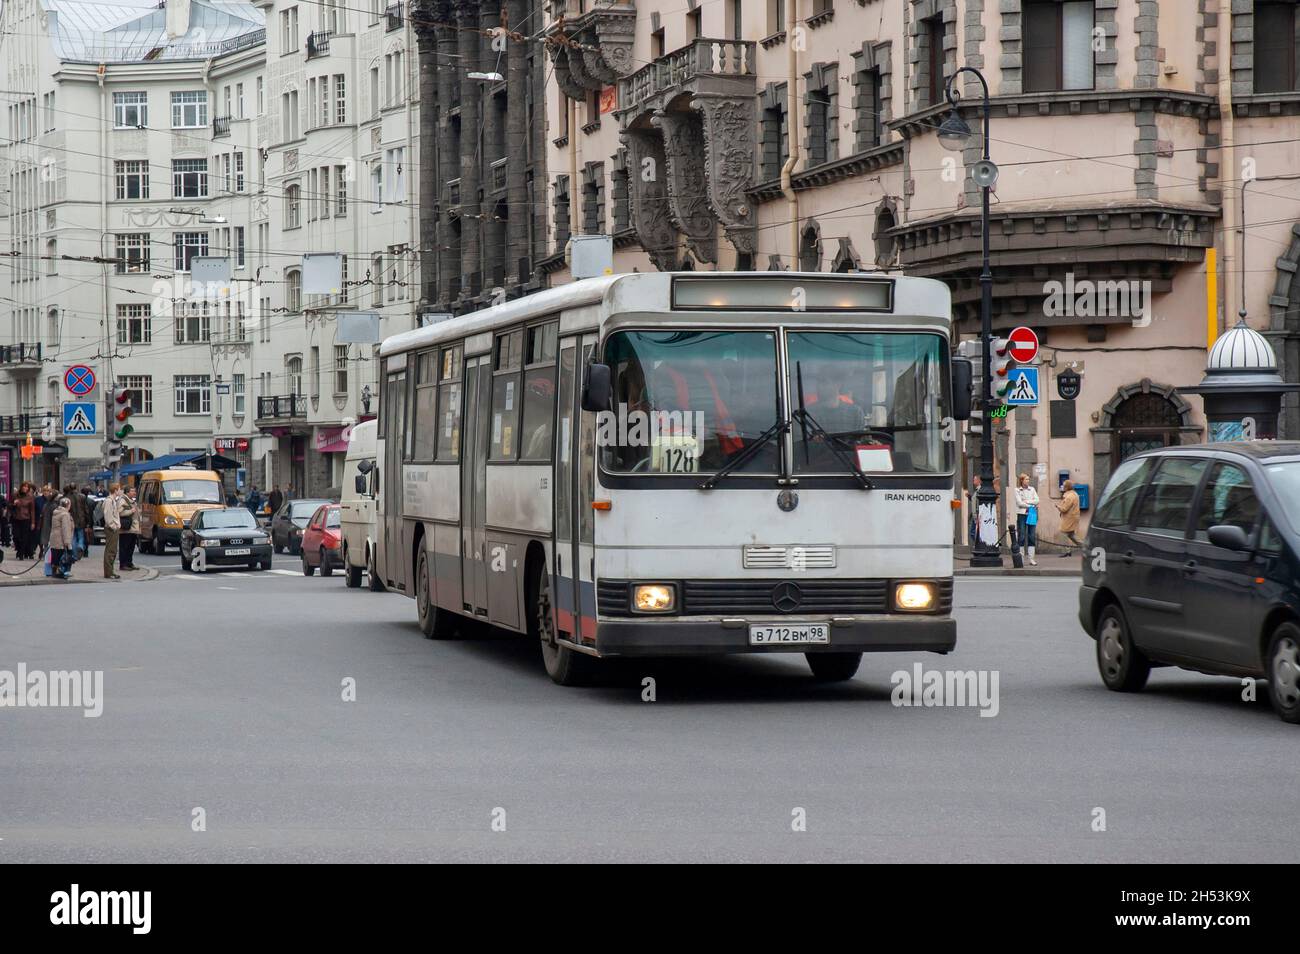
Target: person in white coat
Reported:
[(1027, 518)]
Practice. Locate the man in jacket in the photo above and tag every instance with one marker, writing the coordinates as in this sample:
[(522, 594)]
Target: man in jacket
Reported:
[(275, 500), (128, 515), (77, 511), (1069, 510), (112, 529)]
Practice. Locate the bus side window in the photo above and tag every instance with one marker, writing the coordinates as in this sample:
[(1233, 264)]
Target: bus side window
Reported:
[(506, 363), (539, 392)]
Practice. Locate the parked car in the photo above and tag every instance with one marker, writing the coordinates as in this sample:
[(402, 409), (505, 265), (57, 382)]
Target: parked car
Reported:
[(228, 536), (1193, 560), (322, 541), (288, 523), (358, 506)]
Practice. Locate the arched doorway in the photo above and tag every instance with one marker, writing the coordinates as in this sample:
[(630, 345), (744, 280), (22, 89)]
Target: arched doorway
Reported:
[(1139, 417)]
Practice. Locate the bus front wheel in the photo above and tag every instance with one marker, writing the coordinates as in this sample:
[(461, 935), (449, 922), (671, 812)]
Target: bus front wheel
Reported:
[(833, 667), (435, 623), (565, 666)]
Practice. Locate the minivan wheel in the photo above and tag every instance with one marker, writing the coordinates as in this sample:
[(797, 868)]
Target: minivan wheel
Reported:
[(1284, 672), (374, 582), (833, 667), (352, 573), (1122, 666)]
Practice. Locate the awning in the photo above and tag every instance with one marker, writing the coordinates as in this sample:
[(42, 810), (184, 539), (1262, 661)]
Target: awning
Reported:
[(216, 461), (101, 475)]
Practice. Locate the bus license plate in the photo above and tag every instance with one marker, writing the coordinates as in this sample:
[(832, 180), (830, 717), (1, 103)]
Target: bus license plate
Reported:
[(237, 552), (789, 634)]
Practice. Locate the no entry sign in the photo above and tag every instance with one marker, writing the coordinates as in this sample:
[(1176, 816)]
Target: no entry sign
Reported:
[(1024, 345), (79, 379)]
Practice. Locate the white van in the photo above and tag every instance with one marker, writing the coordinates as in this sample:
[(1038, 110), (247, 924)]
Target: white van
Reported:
[(358, 506)]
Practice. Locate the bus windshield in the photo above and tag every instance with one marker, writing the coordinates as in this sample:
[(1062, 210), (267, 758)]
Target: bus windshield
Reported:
[(687, 402), (690, 401), (191, 491), (882, 396)]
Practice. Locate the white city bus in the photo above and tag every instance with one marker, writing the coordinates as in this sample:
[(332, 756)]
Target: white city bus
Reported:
[(667, 464)]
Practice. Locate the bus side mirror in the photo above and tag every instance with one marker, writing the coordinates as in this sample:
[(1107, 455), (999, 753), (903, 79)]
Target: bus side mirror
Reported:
[(963, 375), (365, 466), (597, 389), (360, 484)]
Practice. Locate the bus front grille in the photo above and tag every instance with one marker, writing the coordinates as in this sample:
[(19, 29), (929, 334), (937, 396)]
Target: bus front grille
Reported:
[(767, 597)]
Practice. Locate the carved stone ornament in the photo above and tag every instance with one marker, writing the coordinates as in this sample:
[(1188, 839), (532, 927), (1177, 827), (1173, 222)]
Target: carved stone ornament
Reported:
[(728, 132), (615, 33), (650, 219), (564, 75), (688, 204)]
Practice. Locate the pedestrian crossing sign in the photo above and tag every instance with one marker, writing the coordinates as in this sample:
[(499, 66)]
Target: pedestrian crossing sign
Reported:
[(1023, 387), (80, 418)]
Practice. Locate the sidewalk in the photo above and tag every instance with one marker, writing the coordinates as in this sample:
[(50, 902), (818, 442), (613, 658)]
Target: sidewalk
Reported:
[(1049, 564), (87, 570)]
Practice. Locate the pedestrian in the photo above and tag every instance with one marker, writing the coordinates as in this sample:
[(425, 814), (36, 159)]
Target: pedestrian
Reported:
[(46, 524), (129, 518), (88, 502), (77, 509), (275, 500), (1069, 509), (43, 515), (112, 529), (1027, 518), (4, 520), (972, 508), (23, 517), (62, 538)]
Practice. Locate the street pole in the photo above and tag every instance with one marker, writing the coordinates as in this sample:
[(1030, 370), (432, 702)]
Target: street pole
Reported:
[(954, 133)]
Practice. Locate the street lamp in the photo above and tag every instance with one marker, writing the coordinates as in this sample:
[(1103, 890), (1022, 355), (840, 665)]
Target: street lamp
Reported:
[(954, 135)]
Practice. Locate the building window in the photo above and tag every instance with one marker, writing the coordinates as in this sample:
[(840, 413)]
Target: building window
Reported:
[(292, 207), (189, 244), (821, 113), (394, 158), (374, 91), (240, 248), (377, 278), (51, 257), (140, 389), (377, 183), (293, 291), (561, 212), (657, 47), (693, 29), (1058, 45), (775, 139), (261, 96), (239, 395), (933, 34), (130, 110), (293, 374), (734, 14), (1275, 48), (289, 30), (54, 333), (289, 115), (620, 192), (189, 109), (775, 17), (340, 99), (189, 178), (593, 199), (193, 323), (239, 170), (340, 192), (239, 100), (315, 371), (340, 369), (193, 395), (134, 325), (870, 127), (132, 178)]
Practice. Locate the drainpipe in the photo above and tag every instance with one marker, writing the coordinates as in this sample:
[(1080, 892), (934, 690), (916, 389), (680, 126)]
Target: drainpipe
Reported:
[(573, 171), (1227, 157), (792, 102)]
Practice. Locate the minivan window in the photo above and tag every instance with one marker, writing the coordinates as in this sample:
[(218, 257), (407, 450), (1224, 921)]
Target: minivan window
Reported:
[(1168, 499), (1284, 477), (1228, 498), (192, 491), (1122, 489)]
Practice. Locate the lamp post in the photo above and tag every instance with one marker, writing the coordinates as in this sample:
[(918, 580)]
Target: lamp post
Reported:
[(954, 135)]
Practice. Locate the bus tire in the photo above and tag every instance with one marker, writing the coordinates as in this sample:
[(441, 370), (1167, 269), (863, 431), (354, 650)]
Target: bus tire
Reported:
[(375, 583), (435, 623), (353, 573), (833, 667), (565, 666)]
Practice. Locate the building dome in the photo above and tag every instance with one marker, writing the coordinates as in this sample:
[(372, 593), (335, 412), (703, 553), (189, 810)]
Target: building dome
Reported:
[(1241, 349)]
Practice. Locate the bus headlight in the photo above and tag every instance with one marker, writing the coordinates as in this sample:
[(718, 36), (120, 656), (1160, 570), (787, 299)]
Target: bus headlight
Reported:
[(915, 597), (654, 598)]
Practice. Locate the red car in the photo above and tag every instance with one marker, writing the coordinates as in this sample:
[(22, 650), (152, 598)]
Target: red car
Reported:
[(322, 541)]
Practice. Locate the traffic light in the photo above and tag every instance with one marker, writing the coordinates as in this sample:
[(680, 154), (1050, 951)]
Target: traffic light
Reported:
[(113, 452), (122, 411), (999, 369)]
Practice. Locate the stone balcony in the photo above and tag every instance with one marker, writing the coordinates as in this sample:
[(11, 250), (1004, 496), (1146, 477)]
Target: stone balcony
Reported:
[(596, 49)]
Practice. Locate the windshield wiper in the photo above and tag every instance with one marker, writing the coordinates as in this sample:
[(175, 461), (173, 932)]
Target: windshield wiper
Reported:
[(835, 444), (746, 455)]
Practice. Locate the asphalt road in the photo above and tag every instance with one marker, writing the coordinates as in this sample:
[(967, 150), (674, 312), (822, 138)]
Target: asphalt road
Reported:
[(224, 693)]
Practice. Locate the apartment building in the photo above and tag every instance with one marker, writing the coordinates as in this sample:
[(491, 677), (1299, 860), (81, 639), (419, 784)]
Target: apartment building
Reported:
[(147, 137), (1123, 129)]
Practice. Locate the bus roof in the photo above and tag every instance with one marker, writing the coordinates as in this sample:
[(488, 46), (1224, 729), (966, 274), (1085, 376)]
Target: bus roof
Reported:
[(922, 297)]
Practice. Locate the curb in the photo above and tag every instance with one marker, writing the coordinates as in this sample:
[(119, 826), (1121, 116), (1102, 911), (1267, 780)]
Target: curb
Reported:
[(150, 574)]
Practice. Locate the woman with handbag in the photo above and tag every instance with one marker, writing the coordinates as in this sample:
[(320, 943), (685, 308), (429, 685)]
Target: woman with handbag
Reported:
[(62, 538), (1027, 517)]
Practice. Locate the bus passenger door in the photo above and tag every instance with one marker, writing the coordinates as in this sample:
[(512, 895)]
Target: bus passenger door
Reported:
[(473, 486), (392, 569), (573, 586)]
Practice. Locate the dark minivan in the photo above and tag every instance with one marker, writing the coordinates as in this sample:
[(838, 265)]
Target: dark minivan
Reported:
[(1191, 561)]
